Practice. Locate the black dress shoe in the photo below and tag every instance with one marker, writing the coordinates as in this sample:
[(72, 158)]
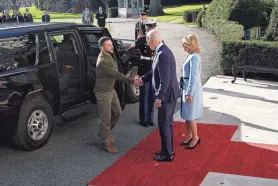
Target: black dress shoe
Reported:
[(193, 147), (151, 123), (164, 158), (159, 153), (185, 143), (144, 124)]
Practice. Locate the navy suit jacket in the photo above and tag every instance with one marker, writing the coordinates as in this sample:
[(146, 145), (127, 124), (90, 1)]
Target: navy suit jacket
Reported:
[(163, 76)]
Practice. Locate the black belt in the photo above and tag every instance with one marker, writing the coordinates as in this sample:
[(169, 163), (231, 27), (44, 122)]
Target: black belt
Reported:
[(182, 80)]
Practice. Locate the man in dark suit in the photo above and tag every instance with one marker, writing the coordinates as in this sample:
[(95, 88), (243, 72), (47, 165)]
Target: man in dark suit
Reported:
[(45, 17), (166, 88), (27, 16), (101, 16), (19, 18)]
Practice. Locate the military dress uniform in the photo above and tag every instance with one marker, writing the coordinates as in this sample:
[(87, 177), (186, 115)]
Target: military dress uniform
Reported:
[(146, 105), (140, 26)]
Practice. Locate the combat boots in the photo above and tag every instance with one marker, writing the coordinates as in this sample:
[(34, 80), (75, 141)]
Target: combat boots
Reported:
[(112, 139), (110, 148)]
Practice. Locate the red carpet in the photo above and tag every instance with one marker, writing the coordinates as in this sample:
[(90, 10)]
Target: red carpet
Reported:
[(215, 154)]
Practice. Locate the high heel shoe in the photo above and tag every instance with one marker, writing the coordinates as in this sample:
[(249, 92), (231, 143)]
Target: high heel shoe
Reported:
[(193, 147), (185, 143)]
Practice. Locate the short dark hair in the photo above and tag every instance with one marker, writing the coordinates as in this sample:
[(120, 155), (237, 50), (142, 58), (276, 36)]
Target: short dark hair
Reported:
[(151, 26), (102, 40), (143, 12)]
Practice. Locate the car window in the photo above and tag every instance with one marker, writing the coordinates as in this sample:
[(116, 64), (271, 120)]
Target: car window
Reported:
[(66, 51), (57, 40), (91, 40), (19, 52)]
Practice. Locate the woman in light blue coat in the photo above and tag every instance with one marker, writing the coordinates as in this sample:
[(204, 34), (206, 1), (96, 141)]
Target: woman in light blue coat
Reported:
[(192, 91)]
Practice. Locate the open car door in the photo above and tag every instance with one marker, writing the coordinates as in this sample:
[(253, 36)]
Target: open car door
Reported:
[(130, 56), (90, 37)]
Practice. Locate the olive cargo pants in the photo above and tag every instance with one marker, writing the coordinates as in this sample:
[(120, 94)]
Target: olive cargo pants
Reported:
[(109, 109)]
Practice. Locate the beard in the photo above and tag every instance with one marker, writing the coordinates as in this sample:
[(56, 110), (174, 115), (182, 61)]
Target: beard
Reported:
[(109, 52)]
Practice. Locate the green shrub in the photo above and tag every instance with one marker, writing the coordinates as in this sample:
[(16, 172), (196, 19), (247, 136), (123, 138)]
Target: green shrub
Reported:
[(113, 12), (187, 15), (227, 30), (260, 53), (218, 20), (267, 6), (200, 17), (272, 31), (219, 9), (248, 13)]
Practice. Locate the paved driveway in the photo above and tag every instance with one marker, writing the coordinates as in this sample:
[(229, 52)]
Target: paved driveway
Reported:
[(172, 35), (71, 157)]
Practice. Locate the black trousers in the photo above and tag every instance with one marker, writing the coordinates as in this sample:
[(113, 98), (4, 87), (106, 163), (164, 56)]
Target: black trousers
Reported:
[(165, 124), (146, 104)]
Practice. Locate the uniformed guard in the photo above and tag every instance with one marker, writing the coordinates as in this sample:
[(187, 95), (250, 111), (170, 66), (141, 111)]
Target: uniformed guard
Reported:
[(146, 109), (139, 26)]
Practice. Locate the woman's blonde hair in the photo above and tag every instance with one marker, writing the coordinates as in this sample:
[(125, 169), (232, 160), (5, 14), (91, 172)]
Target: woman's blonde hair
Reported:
[(193, 42)]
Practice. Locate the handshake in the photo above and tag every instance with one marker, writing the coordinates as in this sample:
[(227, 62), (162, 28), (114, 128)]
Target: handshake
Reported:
[(138, 81)]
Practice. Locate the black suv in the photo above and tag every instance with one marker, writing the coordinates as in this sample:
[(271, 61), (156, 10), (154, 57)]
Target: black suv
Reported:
[(48, 69)]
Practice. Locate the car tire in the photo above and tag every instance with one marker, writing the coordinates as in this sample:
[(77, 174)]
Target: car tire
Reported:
[(38, 114), (132, 92)]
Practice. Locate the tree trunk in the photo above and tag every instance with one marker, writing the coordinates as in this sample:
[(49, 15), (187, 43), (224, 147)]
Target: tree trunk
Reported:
[(156, 8), (14, 5), (106, 3)]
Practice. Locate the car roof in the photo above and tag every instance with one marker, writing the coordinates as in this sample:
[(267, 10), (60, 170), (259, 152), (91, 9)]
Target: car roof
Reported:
[(19, 29)]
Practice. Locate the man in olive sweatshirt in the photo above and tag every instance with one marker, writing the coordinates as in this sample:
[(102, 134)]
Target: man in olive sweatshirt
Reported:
[(107, 99)]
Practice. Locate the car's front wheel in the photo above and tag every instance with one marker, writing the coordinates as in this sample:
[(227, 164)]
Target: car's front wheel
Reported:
[(35, 124)]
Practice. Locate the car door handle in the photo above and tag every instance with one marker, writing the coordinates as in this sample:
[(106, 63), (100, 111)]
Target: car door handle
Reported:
[(68, 66)]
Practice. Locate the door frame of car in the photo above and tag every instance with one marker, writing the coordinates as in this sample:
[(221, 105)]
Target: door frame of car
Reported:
[(80, 99)]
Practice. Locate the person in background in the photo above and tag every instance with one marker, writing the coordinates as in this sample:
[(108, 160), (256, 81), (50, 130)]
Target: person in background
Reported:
[(192, 92), (19, 17), (4, 17), (87, 17), (12, 18), (45, 17), (140, 26), (101, 16), (27, 16), (107, 99)]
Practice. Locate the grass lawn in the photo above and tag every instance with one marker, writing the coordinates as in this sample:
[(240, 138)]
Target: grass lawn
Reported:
[(176, 12), (37, 14), (171, 13)]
